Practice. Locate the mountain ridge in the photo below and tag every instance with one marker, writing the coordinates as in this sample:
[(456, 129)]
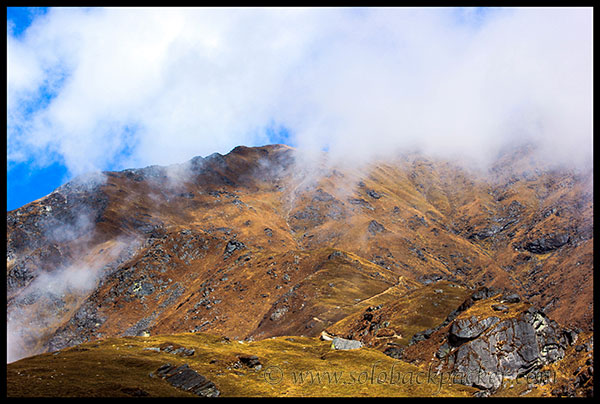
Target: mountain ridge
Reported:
[(253, 245)]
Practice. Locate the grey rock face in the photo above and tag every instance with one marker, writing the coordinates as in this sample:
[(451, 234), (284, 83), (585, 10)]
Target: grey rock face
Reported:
[(508, 349), (466, 329), (187, 379), (345, 344)]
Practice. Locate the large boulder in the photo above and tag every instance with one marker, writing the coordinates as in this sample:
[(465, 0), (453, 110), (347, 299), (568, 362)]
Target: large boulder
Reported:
[(345, 344), (507, 349)]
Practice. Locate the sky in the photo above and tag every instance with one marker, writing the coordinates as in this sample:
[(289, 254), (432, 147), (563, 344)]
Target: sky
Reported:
[(93, 89)]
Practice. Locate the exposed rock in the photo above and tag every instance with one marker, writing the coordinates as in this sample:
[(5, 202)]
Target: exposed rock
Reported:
[(231, 247), (361, 202), (250, 361), (443, 350), (512, 298), (375, 227), (572, 336), (187, 379), (373, 194), (547, 243), (484, 293), (469, 328), (278, 313), (509, 349), (421, 336), (141, 326), (178, 350), (345, 344)]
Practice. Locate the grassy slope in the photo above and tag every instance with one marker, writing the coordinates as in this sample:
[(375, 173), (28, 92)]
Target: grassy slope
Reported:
[(112, 366)]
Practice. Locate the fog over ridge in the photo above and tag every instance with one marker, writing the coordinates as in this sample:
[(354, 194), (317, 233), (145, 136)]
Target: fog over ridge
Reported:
[(136, 87)]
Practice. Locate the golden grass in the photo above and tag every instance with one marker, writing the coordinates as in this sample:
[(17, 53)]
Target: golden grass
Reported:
[(291, 366)]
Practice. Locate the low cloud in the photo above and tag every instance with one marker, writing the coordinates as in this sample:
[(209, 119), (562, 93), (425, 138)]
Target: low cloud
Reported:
[(115, 88), (39, 309)]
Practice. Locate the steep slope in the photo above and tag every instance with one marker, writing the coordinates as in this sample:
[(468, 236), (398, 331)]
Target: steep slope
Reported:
[(253, 245)]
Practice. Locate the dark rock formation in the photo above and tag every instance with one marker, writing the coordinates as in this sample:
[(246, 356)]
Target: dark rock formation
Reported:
[(373, 194), (251, 361), (187, 379), (547, 243), (231, 247)]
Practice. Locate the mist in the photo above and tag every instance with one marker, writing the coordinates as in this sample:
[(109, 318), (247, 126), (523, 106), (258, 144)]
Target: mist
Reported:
[(56, 291), (107, 89)]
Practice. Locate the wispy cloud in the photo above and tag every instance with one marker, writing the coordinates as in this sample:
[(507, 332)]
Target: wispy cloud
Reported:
[(115, 88)]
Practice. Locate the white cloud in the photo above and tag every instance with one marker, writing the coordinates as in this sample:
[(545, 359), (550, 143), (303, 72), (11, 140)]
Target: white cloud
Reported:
[(361, 81)]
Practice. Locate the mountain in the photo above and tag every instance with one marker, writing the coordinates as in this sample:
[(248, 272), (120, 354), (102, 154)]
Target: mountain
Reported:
[(257, 245)]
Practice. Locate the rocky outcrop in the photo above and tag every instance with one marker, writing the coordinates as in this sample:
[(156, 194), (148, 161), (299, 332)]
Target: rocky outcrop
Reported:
[(251, 361), (547, 243), (187, 379), (231, 247), (373, 194), (486, 351), (375, 227)]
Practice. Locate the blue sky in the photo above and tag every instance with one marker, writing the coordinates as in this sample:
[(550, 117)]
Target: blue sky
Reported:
[(107, 89), (29, 180), (24, 182)]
